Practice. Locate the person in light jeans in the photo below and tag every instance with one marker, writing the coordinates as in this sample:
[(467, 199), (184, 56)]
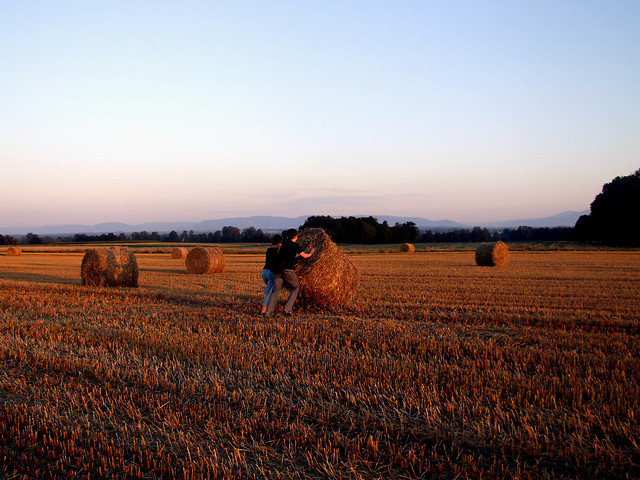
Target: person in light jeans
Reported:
[(289, 251), (271, 267)]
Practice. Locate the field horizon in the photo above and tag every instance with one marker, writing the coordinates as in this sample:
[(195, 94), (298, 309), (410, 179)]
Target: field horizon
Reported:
[(278, 223)]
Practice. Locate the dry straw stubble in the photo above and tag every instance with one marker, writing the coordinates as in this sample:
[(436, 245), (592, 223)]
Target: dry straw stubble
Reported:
[(492, 254), (109, 267), (328, 278), (203, 260)]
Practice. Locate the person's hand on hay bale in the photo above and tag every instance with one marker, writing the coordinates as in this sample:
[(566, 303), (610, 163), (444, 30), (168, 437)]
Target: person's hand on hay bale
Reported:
[(308, 255)]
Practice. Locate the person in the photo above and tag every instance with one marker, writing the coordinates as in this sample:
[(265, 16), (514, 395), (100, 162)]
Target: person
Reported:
[(289, 252), (271, 267)]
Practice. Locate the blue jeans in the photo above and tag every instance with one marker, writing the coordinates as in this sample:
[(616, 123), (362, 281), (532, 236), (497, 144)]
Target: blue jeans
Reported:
[(290, 279), (269, 277)]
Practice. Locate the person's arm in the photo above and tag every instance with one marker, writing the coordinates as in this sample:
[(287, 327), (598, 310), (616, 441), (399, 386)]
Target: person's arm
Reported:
[(307, 255)]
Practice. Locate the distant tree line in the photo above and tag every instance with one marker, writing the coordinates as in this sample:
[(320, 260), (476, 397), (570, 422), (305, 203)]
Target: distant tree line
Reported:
[(363, 230), (370, 231), (341, 230), (521, 234), (228, 234)]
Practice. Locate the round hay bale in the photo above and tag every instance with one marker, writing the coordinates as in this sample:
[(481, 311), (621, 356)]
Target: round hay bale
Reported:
[(109, 267), (492, 254), (203, 260), (407, 247), (328, 278), (179, 253), (13, 251)]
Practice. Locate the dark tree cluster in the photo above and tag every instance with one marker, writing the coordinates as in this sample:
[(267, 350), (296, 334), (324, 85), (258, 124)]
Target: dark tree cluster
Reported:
[(458, 235), (29, 239), (369, 231), (8, 240), (363, 230), (521, 234), (228, 234), (104, 237), (529, 234), (614, 218)]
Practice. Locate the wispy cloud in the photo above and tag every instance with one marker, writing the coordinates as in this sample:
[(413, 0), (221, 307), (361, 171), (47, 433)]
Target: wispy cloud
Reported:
[(330, 201)]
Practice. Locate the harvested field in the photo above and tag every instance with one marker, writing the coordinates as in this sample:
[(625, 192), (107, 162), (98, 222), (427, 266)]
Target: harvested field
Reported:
[(436, 369)]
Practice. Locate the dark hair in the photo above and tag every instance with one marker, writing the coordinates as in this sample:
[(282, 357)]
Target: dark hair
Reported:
[(276, 239), (291, 233)]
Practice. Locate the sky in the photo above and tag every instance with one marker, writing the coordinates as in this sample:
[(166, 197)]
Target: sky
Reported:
[(145, 111)]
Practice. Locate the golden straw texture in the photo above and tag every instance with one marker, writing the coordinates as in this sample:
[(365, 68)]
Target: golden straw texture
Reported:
[(179, 253), (328, 278), (112, 267), (407, 247), (492, 254), (202, 260)]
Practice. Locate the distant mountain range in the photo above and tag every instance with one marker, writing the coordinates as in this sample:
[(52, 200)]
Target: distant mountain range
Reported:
[(271, 224)]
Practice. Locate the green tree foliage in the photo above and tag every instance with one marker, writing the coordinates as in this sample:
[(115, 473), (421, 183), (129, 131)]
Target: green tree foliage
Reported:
[(364, 230), (8, 240), (33, 239), (615, 213), (231, 234), (354, 230)]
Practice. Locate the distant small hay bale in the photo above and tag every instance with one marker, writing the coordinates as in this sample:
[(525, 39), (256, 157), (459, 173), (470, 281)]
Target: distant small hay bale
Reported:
[(13, 252), (407, 247), (328, 278), (492, 254), (203, 260), (179, 253), (109, 267)]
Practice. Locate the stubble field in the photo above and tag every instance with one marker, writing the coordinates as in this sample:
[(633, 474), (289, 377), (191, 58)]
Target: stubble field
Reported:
[(438, 369)]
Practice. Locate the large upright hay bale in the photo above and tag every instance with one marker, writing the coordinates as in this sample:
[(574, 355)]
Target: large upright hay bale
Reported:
[(328, 278), (179, 253), (13, 251), (407, 247), (109, 267), (203, 260), (492, 254)]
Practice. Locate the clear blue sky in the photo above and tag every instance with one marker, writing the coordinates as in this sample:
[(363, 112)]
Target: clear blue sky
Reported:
[(139, 111)]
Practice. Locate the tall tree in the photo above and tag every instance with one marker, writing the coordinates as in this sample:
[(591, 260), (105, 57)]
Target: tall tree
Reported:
[(615, 213)]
